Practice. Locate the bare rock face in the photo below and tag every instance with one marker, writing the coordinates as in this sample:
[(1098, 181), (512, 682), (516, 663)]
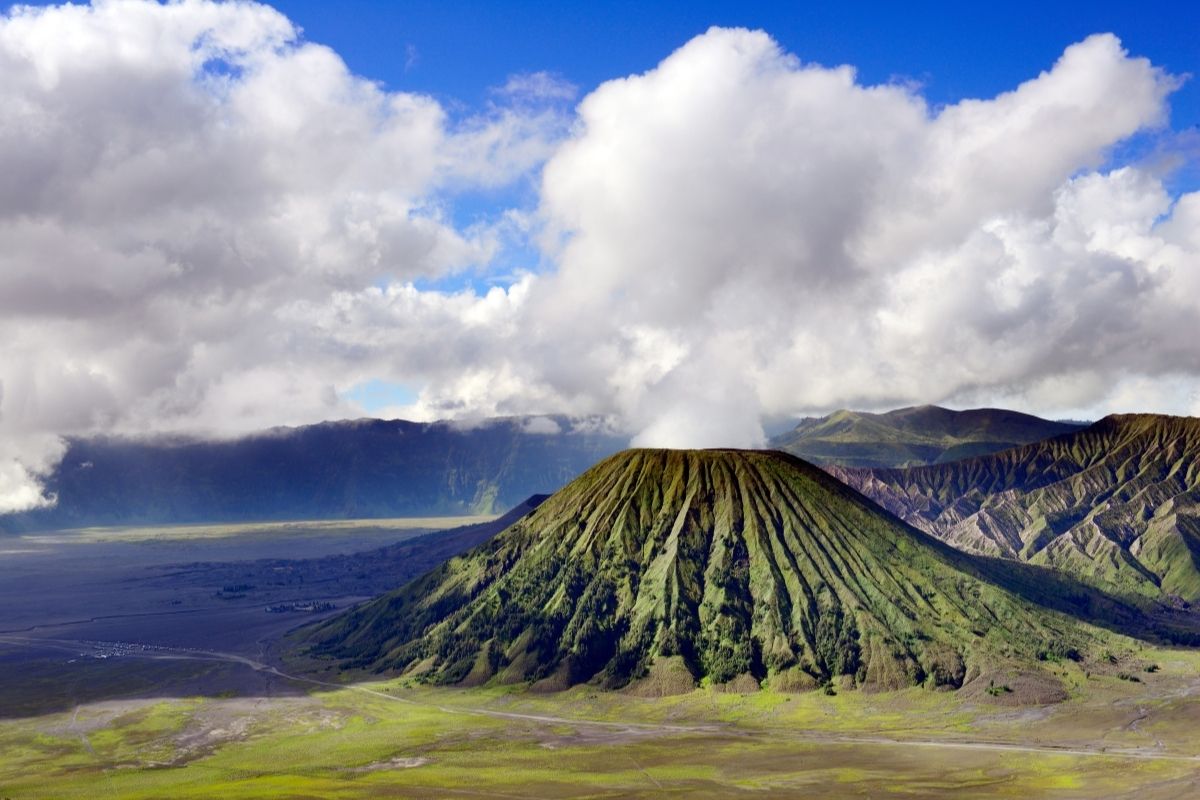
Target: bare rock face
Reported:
[(1117, 504)]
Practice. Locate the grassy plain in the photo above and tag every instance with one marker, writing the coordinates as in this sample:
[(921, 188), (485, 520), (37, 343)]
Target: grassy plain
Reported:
[(1113, 738)]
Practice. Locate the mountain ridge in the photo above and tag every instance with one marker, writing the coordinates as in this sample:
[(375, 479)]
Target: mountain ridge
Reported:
[(348, 469), (913, 435), (731, 565), (1117, 502)]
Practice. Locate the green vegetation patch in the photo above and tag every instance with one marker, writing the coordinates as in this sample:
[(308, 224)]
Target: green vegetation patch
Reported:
[(423, 741)]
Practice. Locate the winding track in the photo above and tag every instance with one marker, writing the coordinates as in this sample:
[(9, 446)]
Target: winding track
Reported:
[(158, 652)]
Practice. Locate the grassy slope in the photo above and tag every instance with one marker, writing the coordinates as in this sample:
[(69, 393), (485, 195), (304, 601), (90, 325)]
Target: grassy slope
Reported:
[(911, 436), (1117, 503), (729, 563)]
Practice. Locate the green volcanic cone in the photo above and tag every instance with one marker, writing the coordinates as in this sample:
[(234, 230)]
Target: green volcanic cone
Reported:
[(729, 564)]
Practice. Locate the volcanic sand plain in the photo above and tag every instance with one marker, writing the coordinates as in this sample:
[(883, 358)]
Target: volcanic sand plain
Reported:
[(190, 586)]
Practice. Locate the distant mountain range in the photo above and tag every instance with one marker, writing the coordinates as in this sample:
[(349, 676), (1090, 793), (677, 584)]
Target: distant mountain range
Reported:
[(659, 569), (1117, 503), (912, 436), (364, 468)]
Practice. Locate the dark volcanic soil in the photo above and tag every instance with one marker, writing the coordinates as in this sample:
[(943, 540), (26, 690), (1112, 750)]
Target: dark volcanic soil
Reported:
[(84, 611)]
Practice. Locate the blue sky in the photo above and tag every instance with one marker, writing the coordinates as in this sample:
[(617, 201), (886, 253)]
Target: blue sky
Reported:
[(458, 50), (461, 51)]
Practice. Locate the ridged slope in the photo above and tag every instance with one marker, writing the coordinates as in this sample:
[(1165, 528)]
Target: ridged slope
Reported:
[(1118, 502), (913, 436), (735, 562), (360, 468)]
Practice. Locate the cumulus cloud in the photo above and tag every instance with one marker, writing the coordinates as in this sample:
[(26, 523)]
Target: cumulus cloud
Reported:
[(210, 224), (181, 180), (791, 239)]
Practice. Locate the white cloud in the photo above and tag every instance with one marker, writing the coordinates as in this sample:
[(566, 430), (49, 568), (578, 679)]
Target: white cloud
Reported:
[(538, 87), (542, 426), (180, 179), (801, 241), (210, 224)]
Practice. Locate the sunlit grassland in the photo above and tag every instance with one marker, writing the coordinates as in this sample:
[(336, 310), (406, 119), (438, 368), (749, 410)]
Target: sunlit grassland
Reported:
[(425, 742)]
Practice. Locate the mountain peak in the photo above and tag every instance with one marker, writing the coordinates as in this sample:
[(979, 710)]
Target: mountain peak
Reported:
[(911, 436), (728, 564)]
